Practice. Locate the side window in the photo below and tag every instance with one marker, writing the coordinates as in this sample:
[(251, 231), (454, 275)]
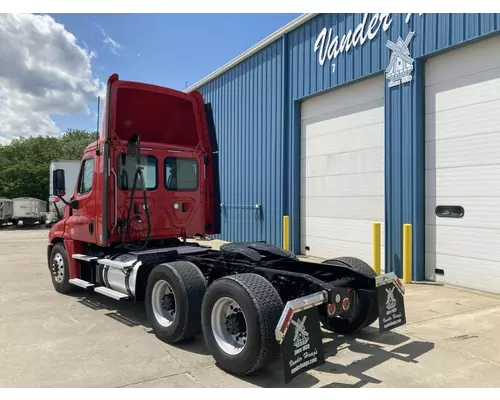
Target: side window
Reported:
[(127, 169), (181, 174), (86, 176)]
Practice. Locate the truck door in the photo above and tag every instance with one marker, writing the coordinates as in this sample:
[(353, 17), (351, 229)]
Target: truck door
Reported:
[(82, 223)]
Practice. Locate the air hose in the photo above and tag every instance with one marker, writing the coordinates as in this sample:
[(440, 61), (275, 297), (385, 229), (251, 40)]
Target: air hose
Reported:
[(138, 174)]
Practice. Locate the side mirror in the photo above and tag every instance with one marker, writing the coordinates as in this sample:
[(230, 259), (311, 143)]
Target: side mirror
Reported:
[(59, 185)]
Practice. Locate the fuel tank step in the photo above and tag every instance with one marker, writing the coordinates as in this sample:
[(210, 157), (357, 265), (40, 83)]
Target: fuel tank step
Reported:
[(110, 293), (116, 264), (81, 283), (84, 257)]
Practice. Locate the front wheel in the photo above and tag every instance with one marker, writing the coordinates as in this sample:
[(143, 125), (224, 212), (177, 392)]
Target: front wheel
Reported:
[(59, 269), (239, 315)]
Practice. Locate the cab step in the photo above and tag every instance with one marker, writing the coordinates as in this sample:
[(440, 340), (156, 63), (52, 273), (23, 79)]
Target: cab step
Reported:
[(110, 293), (84, 257), (81, 283)]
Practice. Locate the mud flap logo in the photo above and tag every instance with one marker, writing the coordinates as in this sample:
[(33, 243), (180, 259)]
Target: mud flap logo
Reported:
[(302, 346), (391, 300), (301, 336)]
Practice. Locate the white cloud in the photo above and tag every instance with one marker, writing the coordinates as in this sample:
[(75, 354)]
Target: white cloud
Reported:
[(110, 41), (43, 71)]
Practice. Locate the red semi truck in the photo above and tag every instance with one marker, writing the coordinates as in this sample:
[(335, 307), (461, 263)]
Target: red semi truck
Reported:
[(148, 184)]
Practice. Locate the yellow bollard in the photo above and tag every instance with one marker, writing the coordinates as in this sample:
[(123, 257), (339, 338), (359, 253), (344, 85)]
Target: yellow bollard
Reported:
[(407, 254), (286, 232), (376, 248)]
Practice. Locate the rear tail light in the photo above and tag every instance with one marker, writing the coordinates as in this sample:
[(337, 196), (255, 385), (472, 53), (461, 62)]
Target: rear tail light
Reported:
[(345, 304), (331, 309)]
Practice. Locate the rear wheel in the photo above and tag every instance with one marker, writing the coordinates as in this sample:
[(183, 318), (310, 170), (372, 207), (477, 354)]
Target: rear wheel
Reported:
[(59, 269), (174, 293), (363, 309), (239, 315)]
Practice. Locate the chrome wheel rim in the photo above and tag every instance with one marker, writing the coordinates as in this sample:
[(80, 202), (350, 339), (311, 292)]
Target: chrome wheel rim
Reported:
[(58, 268), (163, 302), (229, 326)]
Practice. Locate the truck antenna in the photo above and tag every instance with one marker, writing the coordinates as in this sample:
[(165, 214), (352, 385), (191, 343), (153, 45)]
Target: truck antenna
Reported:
[(98, 101)]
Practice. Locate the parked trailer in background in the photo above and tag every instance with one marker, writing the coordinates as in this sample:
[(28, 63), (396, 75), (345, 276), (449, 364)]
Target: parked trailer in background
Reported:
[(56, 206), (6, 210), (29, 210)]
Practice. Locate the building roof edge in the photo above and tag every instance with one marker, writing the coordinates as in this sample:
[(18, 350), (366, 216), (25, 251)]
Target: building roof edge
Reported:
[(254, 49)]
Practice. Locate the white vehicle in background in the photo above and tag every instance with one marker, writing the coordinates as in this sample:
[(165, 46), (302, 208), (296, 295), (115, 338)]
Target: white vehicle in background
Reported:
[(29, 211), (71, 169), (6, 210)]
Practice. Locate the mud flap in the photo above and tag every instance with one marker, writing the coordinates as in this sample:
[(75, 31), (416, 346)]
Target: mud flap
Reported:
[(302, 345), (299, 334), (390, 301)]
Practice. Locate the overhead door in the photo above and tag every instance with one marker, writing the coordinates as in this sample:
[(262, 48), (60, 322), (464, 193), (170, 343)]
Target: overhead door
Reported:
[(342, 170), (462, 124)]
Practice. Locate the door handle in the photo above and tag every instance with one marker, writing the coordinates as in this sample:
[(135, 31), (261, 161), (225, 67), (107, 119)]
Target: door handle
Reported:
[(91, 227)]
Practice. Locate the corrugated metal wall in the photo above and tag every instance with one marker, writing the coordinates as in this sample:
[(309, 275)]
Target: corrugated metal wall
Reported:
[(247, 102), (404, 108), (257, 114)]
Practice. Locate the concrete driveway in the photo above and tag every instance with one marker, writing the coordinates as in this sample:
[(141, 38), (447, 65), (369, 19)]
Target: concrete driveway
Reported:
[(86, 340)]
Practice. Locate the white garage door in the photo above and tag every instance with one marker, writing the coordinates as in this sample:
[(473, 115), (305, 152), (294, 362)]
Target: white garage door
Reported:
[(342, 170), (462, 126)]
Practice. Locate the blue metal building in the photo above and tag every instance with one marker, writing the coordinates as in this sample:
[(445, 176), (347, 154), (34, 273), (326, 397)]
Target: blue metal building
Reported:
[(259, 100)]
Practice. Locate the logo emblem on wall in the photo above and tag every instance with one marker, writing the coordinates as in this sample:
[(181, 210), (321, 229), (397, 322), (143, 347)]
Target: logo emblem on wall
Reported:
[(400, 66)]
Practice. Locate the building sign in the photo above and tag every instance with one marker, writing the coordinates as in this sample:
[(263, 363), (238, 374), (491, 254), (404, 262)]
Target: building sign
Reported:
[(328, 46), (401, 64)]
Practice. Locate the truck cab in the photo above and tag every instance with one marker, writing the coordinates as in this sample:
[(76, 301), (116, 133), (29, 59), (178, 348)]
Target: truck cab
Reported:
[(151, 176)]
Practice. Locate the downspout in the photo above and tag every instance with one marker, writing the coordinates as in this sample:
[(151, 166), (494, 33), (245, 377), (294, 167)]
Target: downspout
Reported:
[(285, 165)]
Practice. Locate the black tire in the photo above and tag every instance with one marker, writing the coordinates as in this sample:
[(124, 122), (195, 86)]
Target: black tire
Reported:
[(58, 274), (188, 286), (356, 264), (364, 308), (261, 306)]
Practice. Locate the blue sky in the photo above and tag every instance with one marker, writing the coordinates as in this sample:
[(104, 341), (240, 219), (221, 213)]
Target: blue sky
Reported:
[(163, 49)]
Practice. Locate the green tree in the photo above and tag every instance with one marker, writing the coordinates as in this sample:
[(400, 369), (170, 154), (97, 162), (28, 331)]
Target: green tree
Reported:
[(74, 142), (25, 162)]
